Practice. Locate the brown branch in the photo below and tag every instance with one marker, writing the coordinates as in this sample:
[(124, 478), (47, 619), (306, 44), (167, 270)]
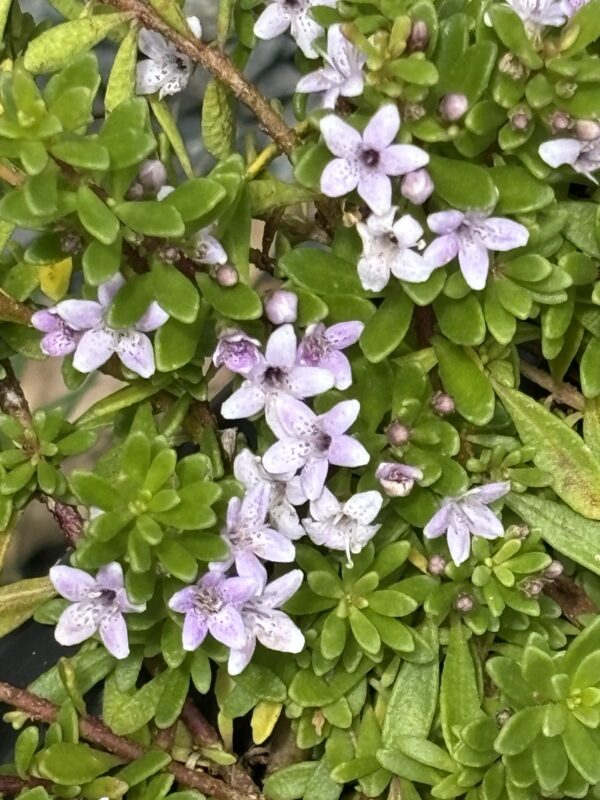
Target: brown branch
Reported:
[(571, 598), (67, 517), (13, 311), (12, 400), (218, 64), (563, 393), (11, 175), (96, 732), (12, 785), (424, 325)]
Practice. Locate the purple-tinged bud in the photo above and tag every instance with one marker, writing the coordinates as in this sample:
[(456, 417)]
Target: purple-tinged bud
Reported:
[(419, 36), (554, 570), (559, 121), (503, 716), (453, 107), (135, 191), (436, 565), (152, 175), (417, 186), (237, 351), (532, 587), (227, 275), (587, 130), (464, 603), (442, 403), (520, 120), (71, 243), (397, 433), (397, 480), (281, 307)]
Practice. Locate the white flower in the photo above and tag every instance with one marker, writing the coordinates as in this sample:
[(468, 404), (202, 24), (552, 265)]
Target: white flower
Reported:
[(537, 14), (166, 70), (342, 73), (280, 15), (584, 156), (387, 250)]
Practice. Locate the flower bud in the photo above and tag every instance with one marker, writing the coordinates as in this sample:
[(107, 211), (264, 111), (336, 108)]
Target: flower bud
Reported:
[(587, 130), (464, 603), (71, 243), (520, 120), (503, 716), (442, 403), (152, 175), (419, 36), (237, 351), (532, 587), (453, 107), (411, 112), (436, 565), (554, 570), (397, 480), (135, 191), (559, 121), (397, 433), (281, 307), (227, 275), (417, 186)]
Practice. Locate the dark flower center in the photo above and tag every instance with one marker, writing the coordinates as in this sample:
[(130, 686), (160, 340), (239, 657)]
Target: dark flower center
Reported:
[(323, 442), (208, 601), (180, 63), (370, 157), (274, 376), (293, 5), (392, 239)]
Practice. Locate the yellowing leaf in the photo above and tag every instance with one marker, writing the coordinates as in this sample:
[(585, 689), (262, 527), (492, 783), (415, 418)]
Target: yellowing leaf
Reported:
[(18, 601), (264, 717), (55, 278)]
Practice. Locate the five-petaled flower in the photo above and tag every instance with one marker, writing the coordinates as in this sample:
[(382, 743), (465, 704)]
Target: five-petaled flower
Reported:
[(310, 443), (387, 249), (264, 621), (87, 334), (343, 526), (277, 373), (461, 517), (583, 156), (248, 534), (166, 70), (342, 74), (321, 347), (470, 236), (365, 161), (212, 605), (98, 604), (280, 15)]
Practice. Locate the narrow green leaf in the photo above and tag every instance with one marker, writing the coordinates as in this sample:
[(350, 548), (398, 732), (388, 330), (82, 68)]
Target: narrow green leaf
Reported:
[(18, 601), (121, 82)]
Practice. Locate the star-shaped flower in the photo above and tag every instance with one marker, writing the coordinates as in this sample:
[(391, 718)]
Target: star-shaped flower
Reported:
[(166, 70), (365, 161), (346, 527), (310, 443), (280, 15), (583, 156), (342, 73), (387, 249), (98, 605), (461, 517), (322, 347), (471, 236)]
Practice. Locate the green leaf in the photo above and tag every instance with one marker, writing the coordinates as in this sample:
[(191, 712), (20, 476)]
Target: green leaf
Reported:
[(567, 532), (459, 695), (126, 133), (290, 782), (195, 197), (73, 764), (270, 193), (18, 601), (388, 326), (126, 712), (557, 450), (130, 302), (96, 217), (582, 750), (55, 47), (175, 343), (519, 192), (171, 131), (176, 294), (143, 768), (461, 184), (121, 82), (151, 218), (218, 126), (465, 381), (510, 29), (364, 631), (550, 762), (586, 24), (101, 261), (589, 368), (173, 698), (235, 302), (5, 6), (321, 272), (461, 320), (519, 731)]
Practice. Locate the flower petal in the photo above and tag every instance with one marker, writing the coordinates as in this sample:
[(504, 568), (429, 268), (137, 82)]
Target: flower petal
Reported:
[(339, 177), (344, 334), (255, 505), (73, 584), (207, 249), (489, 491), (339, 418), (483, 521), (499, 233), (195, 628), (325, 506), (438, 524), (347, 452), (247, 468), (239, 659), (280, 590), (341, 138), (107, 291), (46, 321), (237, 591), (77, 623), (305, 30), (296, 418), (272, 22), (411, 267), (560, 151), (245, 402), (474, 261), (154, 318), (317, 81), (339, 366), (273, 546), (364, 506), (94, 349), (399, 159), (310, 381), (280, 350), (442, 250), (373, 272), (314, 476), (375, 188), (382, 128), (113, 632), (286, 455), (110, 576), (135, 351), (407, 231), (459, 541), (184, 600), (59, 343), (226, 626), (445, 221), (278, 632), (153, 45), (81, 315)]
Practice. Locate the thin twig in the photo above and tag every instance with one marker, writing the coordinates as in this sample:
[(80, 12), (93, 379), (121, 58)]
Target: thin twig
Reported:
[(12, 400), (67, 517), (220, 65), (96, 732), (11, 175), (12, 785), (12, 310), (563, 393)]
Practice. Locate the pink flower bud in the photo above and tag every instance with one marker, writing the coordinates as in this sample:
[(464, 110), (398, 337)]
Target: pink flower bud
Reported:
[(135, 191), (152, 175), (417, 186), (397, 434), (587, 130), (559, 121), (436, 565), (453, 107), (281, 307), (442, 403), (520, 120), (554, 570), (227, 275), (464, 603), (419, 36)]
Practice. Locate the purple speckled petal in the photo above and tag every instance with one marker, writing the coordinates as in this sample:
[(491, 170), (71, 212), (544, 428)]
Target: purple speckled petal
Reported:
[(60, 343), (375, 188), (344, 334), (227, 627), (339, 418), (341, 138), (113, 632), (135, 351), (195, 628), (46, 321), (399, 159), (347, 452), (280, 350), (154, 318), (286, 455), (309, 381), (273, 21), (77, 623), (110, 576), (438, 524), (73, 584), (81, 315), (314, 476), (280, 590), (382, 128), (245, 402), (339, 177), (94, 349)]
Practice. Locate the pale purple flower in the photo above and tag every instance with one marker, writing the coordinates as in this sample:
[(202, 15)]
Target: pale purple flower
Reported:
[(275, 375), (248, 469), (582, 156), (343, 526), (387, 250), (264, 621), (397, 480), (417, 186), (98, 605), (281, 307), (365, 161), (461, 517), (207, 249), (310, 443), (279, 15), (341, 74), (212, 605), (60, 339), (536, 14), (166, 70), (471, 236), (237, 352), (572, 6), (322, 347), (97, 341), (248, 535)]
